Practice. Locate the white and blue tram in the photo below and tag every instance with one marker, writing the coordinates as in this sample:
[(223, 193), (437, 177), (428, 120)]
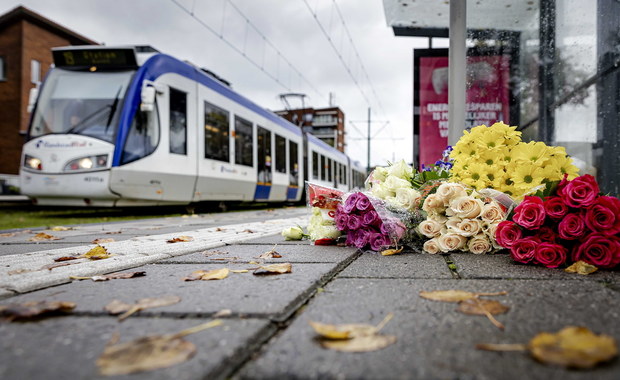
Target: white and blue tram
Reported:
[(130, 126)]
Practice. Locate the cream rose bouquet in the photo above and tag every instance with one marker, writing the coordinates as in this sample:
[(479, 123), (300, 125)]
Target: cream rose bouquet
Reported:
[(462, 219)]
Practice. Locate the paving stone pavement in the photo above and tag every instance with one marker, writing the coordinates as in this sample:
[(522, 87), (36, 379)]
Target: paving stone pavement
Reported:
[(265, 332)]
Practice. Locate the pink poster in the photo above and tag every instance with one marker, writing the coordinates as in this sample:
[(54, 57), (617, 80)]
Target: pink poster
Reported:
[(487, 99)]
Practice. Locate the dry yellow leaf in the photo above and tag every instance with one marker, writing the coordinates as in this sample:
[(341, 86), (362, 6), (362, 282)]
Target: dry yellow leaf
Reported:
[(581, 267), (149, 353), (215, 274), (360, 344), (180, 239), (573, 346), (239, 270), (274, 269), (389, 252), (61, 228), (454, 295), (118, 307), (41, 236), (344, 331), (103, 240), (35, 309), (97, 253), (482, 307)]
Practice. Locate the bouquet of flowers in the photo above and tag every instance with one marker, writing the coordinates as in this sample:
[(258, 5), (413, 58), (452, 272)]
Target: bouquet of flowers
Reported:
[(495, 157), (364, 226), (393, 184), (575, 224), (462, 219), (323, 202)]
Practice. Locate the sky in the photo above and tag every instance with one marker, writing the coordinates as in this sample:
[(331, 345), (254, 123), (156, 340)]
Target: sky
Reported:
[(285, 42)]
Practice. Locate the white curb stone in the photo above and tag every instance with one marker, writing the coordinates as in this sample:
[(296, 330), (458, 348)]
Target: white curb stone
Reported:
[(26, 272)]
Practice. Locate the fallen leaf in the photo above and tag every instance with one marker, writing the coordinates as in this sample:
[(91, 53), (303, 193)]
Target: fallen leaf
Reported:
[(65, 258), (114, 232), (35, 309), (19, 271), (573, 346), (361, 344), (111, 276), (220, 229), (482, 307), (344, 331), (102, 241), (453, 295), (118, 307), (215, 252), (389, 252), (581, 267), (61, 228), (501, 347), (149, 353), (41, 236), (225, 258), (270, 255), (8, 234), (253, 262), (97, 253), (239, 270), (56, 265), (180, 239), (353, 337), (248, 231), (487, 308), (274, 269), (223, 313), (215, 274)]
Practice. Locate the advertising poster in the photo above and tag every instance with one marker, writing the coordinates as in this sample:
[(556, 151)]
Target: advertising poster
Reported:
[(487, 99)]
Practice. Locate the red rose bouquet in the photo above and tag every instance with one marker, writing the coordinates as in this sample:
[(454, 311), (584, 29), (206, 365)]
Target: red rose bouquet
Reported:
[(575, 224)]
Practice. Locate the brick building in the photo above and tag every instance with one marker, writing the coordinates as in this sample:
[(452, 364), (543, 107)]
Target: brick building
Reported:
[(325, 123), (25, 42)]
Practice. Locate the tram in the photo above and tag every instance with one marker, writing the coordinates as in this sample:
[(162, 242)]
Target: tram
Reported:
[(130, 126)]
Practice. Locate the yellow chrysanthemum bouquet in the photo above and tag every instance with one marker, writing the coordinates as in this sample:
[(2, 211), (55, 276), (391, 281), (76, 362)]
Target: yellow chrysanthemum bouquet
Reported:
[(495, 157)]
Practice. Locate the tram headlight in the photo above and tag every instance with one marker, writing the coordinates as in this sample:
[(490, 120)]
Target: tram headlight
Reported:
[(32, 163), (87, 163)]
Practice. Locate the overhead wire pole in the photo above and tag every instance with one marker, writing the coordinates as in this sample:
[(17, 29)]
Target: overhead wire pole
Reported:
[(368, 167)]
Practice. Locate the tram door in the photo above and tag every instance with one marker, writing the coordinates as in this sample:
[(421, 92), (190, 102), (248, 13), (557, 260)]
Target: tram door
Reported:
[(263, 182)]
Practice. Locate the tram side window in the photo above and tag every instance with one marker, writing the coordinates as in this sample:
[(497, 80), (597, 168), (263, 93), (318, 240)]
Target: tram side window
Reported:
[(280, 154), (178, 121), (217, 125), (243, 142), (329, 169), (293, 163), (315, 165), (323, 168), (143, 136)]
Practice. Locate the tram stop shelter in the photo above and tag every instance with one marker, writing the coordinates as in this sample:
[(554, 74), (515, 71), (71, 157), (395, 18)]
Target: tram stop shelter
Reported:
[(558, 62)]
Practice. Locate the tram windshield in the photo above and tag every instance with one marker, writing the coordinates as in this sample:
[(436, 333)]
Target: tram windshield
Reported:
[(81, 103)]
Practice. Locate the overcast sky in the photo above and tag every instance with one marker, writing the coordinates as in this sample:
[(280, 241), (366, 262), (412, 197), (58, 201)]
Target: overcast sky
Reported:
[(288, 26)]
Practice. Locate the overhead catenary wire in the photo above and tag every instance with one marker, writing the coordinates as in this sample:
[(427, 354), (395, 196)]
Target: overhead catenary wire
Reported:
[(242, 51)]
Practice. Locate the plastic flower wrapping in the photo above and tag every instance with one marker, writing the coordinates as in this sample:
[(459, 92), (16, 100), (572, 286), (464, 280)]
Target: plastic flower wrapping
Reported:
[(574, 224), (495, 157), (323, 202)]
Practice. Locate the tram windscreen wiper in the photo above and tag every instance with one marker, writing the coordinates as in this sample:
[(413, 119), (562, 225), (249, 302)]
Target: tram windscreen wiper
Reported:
[(113, 108), (78, 127)]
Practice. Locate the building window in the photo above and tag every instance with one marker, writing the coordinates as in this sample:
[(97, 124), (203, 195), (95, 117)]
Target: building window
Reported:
[(243, 142), (217, 133), (178, 122), (280, 154), (35, 71)]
